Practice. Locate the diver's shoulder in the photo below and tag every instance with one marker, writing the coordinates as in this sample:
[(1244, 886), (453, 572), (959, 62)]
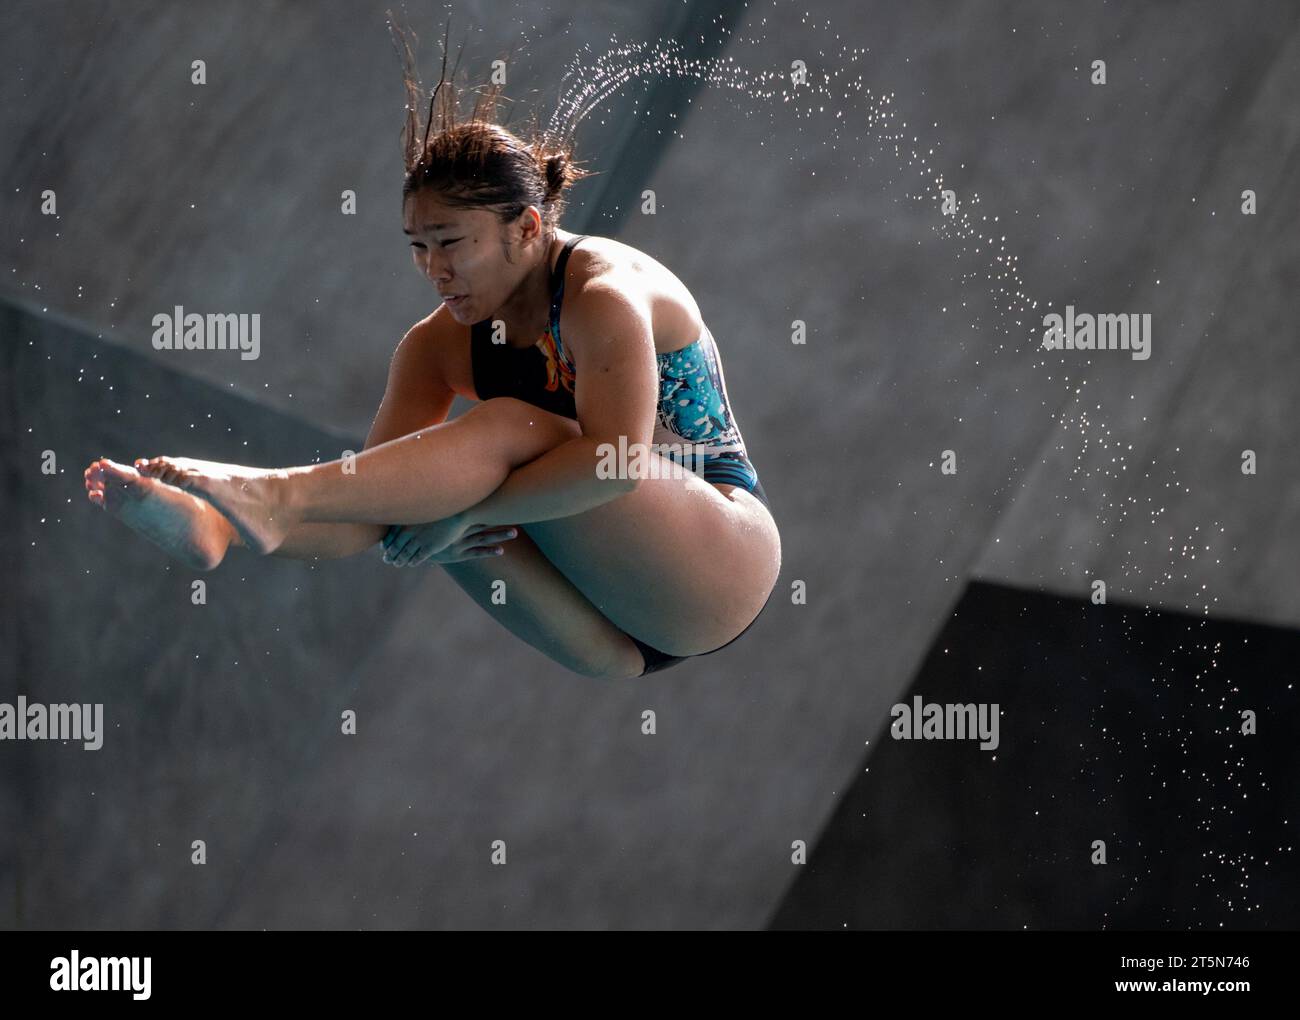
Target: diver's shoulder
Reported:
[(433, 340), (612, 269), (433, 331), (598, 257)]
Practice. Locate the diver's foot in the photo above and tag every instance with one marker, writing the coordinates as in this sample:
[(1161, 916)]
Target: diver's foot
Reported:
[(252, 499), (182, 525)]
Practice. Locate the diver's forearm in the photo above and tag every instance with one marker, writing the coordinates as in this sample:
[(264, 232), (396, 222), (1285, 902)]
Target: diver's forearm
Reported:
[(561, 482)]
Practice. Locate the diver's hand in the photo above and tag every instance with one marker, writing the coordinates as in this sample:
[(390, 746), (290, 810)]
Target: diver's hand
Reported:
[(450, 540)]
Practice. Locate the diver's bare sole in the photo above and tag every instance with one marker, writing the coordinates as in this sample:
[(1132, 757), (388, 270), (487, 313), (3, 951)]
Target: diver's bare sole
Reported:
[(180, 524)]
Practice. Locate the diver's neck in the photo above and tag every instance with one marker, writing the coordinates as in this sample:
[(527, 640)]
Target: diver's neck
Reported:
[(527, 311)]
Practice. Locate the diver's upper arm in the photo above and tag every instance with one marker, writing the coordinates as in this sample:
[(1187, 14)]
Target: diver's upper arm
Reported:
[(611, 340), (418, 394)]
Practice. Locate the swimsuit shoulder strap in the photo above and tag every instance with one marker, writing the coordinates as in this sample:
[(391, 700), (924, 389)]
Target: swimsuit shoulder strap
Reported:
[(557, 289), (557, 276)]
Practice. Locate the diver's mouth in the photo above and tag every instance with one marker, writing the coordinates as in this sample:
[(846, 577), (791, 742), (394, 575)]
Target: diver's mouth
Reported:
[(454, 302)]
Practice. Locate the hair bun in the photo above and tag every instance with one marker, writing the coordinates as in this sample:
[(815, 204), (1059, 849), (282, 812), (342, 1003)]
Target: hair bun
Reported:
[(558, 173)]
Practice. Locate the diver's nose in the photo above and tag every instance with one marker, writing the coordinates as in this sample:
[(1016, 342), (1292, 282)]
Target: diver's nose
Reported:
[(437, 270)]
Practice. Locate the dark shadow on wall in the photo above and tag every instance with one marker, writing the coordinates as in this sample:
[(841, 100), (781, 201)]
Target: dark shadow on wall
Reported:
[(1117, 724)]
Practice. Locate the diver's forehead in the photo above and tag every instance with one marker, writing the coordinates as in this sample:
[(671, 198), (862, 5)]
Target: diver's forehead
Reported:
[(428, 228), (430, 216)]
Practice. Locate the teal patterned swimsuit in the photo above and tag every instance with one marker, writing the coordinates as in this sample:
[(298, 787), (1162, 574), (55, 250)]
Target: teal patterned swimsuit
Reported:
[(694, 425)]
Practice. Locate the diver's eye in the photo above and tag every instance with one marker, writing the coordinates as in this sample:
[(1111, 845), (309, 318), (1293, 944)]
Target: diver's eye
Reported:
[(417, 244), (448, 244)]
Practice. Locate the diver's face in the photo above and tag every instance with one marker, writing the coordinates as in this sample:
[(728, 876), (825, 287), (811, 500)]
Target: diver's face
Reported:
[(462, 253)]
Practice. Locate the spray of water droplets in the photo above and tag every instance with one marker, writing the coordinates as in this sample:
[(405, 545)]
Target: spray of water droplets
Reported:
[(838, 108)]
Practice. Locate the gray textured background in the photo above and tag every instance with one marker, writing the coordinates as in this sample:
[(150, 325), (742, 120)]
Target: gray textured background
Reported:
[(222, 718)]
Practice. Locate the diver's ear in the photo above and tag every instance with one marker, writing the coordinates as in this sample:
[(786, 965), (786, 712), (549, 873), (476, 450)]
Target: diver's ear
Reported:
[(529, 224)]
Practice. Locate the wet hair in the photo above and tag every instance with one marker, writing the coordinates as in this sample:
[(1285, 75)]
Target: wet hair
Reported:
[(477, 162)]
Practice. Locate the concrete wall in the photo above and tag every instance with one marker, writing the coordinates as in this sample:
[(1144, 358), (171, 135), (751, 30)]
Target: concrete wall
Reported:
[(469, 736)]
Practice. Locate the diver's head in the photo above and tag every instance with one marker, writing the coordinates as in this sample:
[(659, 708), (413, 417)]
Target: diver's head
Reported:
[(480, 204)]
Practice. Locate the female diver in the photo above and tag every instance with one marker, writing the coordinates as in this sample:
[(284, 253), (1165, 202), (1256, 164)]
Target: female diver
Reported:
[(565, 342)]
